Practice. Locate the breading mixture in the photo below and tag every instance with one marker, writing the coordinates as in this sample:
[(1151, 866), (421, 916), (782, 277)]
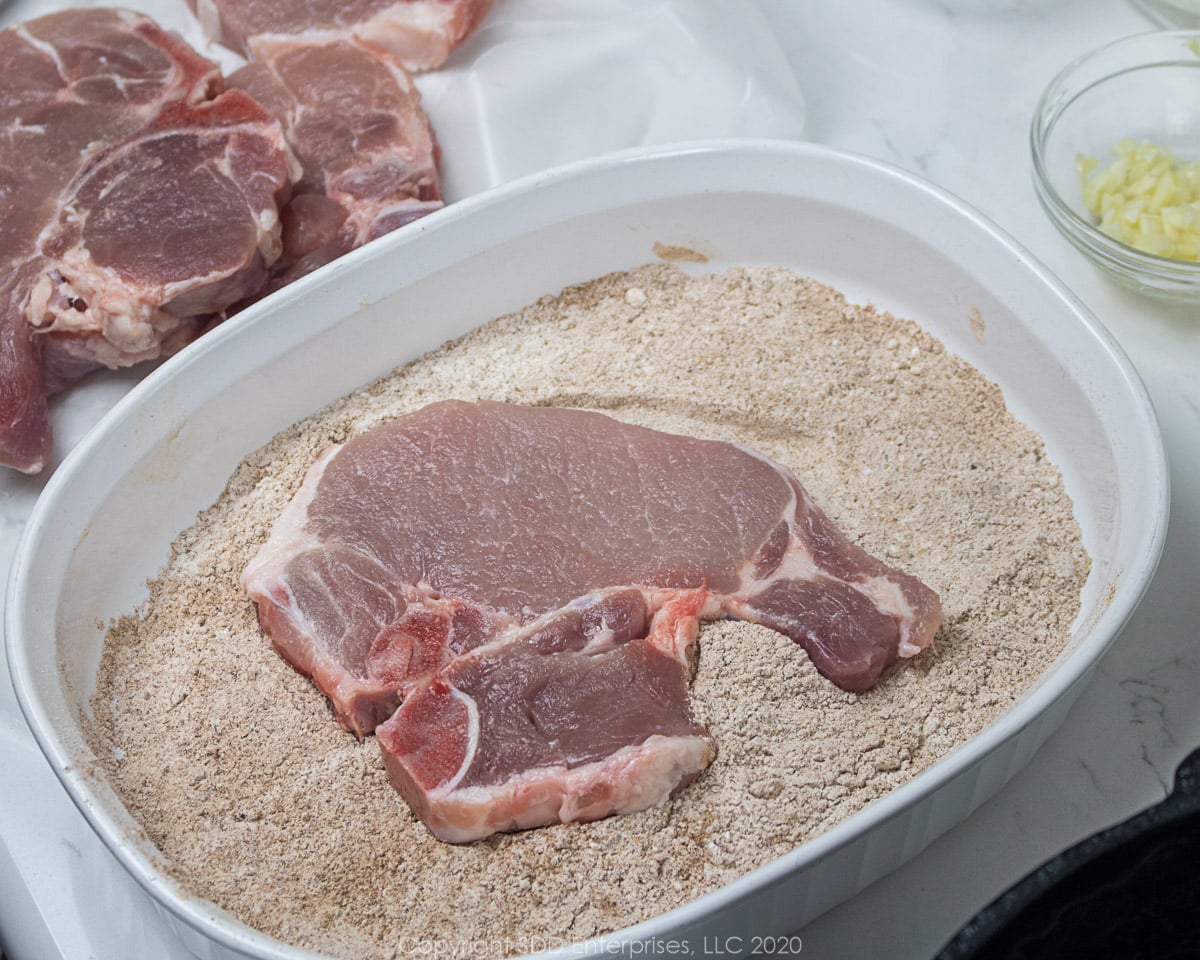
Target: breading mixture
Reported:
[(259, 801)]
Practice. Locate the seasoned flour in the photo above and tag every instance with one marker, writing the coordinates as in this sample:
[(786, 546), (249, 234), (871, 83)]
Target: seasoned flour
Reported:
[(262, 804)]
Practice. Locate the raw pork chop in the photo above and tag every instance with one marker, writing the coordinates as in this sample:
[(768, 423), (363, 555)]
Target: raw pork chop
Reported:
[(528, 581), (139, 200), (419, 33), (353, 117), (581, 715)]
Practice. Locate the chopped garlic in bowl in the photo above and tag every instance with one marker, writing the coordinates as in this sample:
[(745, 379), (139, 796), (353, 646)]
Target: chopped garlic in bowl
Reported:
[(1145, 198), (1114, 141)]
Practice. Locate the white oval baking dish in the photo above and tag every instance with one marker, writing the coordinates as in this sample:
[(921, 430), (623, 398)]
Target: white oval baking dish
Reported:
[(108, 515)]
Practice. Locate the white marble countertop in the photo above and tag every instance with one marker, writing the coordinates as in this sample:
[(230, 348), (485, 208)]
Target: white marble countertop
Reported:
[(944, 88)]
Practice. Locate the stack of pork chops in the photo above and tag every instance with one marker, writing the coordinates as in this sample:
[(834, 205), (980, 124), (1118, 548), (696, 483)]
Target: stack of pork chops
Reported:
[(147, 197), (507, 596)]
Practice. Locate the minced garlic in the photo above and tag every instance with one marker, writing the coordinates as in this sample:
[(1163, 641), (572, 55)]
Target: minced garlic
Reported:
[(1145, 198)]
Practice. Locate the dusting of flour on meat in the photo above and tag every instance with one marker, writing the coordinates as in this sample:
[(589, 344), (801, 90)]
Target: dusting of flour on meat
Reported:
[(229, 760)]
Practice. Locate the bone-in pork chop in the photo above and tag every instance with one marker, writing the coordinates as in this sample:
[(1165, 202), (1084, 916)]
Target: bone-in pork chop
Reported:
[(419, 33), (140, 199), (524, 583), (353, 117)]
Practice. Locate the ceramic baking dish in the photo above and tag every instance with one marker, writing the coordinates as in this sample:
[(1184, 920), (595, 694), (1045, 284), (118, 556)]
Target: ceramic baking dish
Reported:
[(107, 516)]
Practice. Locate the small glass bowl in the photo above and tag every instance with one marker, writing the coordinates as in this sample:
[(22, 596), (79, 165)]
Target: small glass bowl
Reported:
[(1144, 87)]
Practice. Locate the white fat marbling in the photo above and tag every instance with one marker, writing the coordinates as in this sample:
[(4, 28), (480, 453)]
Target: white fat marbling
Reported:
[(945, 89)]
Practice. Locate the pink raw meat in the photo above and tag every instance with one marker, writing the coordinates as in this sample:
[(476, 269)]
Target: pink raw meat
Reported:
[(140, 198), (354, 120), (581, 715), (419, 33), (505, 572)]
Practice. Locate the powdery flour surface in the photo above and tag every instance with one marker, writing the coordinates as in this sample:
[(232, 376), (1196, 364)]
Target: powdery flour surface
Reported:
[(261, 803)]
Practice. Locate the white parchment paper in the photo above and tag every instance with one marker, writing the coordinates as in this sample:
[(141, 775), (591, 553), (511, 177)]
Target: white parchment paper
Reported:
[(548, 81)]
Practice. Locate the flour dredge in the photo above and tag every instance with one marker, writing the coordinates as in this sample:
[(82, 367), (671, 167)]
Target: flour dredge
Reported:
[(260, 803)]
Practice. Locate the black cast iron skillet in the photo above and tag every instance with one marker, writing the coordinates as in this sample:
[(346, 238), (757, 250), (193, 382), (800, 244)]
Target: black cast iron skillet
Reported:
[(1130, 891)]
